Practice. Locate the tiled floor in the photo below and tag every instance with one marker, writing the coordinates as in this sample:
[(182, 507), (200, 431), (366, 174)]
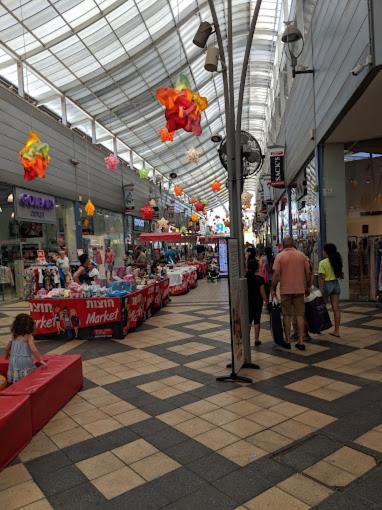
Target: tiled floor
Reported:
[(153, 428)]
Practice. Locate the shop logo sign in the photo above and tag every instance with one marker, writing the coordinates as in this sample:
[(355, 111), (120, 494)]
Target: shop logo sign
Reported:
[(36, 202), (277, 167)]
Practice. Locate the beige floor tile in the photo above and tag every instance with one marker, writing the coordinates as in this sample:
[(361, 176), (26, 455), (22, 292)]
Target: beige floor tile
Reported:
[(217, 438), (330, 475), (86, 417), (202, 326), (269, 440), (353, 461), (194, 427), (288, 409), (166, 392), (117, 408), (242, 452), (326, 394), (20, 495), (70, 437), (200, 408), (80, 406), (293, 429), (155, 466), (59, 425), (134, 451), (315, 419), (175, 417), (100, 465), (173, 380), (243, 427), (302, 387), (275, 499), (99, 427), (13, 475), (118, 482), (372, 440), (41, 504), (342, 387), (39, 446), (222, 399), (131, 417), (267, 418), (304, 489), (220, 416), (188, 386), (264, 400), (244, 393), (243, 408)]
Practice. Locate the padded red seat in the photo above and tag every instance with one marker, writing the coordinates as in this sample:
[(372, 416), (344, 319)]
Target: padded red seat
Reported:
[(15, 426), (3, 366), (50, 387)]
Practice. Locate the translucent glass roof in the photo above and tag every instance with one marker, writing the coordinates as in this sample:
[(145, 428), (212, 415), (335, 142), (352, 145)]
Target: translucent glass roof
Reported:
[(108, 57)]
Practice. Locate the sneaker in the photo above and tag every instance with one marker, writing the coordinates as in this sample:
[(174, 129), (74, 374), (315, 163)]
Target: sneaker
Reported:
[(300, 347), (257, 343)]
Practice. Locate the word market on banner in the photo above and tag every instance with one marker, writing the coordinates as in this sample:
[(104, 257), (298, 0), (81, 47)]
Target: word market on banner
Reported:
[(60, 316), (277, 155)]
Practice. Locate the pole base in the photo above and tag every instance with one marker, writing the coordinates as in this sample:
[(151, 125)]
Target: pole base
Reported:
[(233, 378), (246, 365)]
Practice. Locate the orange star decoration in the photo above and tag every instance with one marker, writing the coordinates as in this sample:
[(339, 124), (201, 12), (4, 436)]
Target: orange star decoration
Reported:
[(183, 108), (34, 157), (178, 190), (216, 186), (89, 208), (194, 217)]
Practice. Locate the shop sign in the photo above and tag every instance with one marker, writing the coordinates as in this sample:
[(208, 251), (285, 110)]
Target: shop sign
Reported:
[(128, 194), (61, 316), (139, 224), (277, 155), (35, 207)]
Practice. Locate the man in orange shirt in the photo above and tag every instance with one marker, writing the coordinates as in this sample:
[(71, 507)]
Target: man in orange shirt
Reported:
[(291, 269)]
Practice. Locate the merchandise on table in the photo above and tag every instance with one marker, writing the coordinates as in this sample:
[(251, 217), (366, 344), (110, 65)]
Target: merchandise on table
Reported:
[(182, 279)]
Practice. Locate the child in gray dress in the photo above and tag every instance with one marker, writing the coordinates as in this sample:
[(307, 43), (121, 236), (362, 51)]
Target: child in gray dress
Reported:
[(21, 350)]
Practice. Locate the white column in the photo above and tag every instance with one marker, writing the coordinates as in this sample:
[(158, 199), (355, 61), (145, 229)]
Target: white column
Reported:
[(334, 203)]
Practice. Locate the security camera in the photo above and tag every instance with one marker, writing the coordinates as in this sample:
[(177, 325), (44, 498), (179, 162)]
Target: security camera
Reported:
[(216, 138), (360, 67)]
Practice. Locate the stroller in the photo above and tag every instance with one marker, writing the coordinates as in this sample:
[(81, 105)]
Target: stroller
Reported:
[(213, 274)]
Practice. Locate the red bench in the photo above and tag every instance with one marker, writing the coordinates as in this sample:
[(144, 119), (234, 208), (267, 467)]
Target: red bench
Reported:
[(15, 426), (50, 387)]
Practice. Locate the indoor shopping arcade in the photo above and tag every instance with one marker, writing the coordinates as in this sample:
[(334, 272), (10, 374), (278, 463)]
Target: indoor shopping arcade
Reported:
[(190, 254)]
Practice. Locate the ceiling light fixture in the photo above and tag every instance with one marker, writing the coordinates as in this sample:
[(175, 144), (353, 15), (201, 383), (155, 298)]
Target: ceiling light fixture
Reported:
[(294, 41)]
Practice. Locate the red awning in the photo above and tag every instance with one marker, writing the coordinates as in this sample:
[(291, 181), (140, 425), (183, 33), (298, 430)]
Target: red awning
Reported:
[(167, 237)]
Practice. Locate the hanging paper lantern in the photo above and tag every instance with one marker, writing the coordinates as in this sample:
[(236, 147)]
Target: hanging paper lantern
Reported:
[(199, 206), (89, 208), (152, 203), (216, 186), (205, 202), (183, 108), (227, 223), (143, 173), (193, 200), (194, 217), (178, 190), (111, 162), (193, 155), (162, 223), (147, 212), (183, 230), (34, 157)]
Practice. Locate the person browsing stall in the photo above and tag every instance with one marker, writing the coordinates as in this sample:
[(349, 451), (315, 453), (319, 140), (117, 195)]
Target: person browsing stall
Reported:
[(82, 274), (21, 350), (291, 270), (140, 258)]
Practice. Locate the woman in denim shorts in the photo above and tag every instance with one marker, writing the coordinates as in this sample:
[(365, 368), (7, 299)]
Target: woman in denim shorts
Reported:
[(330, 269)]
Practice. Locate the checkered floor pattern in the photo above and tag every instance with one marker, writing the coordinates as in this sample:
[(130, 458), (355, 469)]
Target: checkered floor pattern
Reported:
[(153, 428)]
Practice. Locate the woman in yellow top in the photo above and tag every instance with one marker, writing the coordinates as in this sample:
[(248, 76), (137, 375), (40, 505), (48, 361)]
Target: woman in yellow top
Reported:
[(330, 269)]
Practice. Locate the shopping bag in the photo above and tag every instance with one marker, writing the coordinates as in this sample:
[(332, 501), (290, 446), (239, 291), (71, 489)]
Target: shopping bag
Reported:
[(316, 313), (276, 322)]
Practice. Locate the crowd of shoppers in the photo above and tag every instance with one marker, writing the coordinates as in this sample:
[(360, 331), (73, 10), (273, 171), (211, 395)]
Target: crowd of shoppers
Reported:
[(287, 278)]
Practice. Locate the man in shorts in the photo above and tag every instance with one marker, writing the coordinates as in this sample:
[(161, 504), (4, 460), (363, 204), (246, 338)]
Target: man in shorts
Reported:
[(291, 269)]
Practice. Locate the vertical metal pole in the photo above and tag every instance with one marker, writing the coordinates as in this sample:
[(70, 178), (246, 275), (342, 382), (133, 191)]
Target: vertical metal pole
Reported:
[(20, 79), (94, 133), (64, 113), (115, 146)]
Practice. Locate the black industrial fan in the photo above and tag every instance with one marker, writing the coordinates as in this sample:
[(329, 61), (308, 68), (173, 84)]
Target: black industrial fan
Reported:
[(251, 155)]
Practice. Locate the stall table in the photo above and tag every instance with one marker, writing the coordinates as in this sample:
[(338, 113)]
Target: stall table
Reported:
[(182, 279)]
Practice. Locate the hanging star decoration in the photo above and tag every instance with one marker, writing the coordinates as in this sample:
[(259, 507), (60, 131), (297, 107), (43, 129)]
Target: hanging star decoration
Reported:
[(199, 205), (147, 212), (183, 230), (216, 186), (111, 162), (143, 173), (205, 202), (193, 155), (34, 157), (178, 190), (183, 108), (89, 208), (194, 217), (162, 223)]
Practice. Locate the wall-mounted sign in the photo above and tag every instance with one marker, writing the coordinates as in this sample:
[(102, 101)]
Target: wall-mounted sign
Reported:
[(277, 167), (128, 195), (34, 207), (139, 224)]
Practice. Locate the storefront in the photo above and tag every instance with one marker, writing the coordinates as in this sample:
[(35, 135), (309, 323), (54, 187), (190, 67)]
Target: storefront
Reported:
[(101, 231), (32, 227)]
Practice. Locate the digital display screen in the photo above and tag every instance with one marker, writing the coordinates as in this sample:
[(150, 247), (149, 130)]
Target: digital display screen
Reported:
[(223, 261), (139, 224)]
